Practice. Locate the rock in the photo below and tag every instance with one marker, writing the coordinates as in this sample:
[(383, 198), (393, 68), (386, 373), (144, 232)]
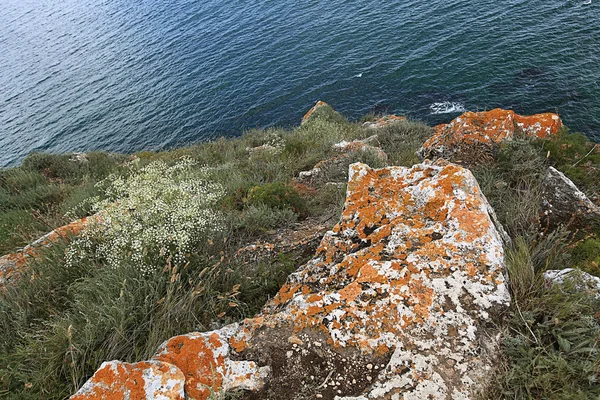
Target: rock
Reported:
[(564, 204), (398, 302), (79, 157), (300, 240), (345, 151), (11, 264), (310, 112), (580, 281), (384, 121), (345, 147), (265, 148), (146, 380), (471, 137), (204, 358)]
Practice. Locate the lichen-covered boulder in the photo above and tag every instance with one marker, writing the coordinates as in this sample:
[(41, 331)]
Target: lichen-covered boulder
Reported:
[(146, 380), (11, 264), (398, 302), (564, 204), (471, 137)]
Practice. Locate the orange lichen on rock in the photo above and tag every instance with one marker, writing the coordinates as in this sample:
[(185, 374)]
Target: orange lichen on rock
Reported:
[(415, 256), (473, 131), (313, 109), (11, 264), (204, 360), (411, 276), (140, 381)]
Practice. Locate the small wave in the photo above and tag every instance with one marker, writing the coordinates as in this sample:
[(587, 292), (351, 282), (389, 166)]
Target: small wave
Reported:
[(447, 107), (588, 2), (358, 75)]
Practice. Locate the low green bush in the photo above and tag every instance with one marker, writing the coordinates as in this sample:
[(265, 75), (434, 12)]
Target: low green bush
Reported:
[(278, 196)]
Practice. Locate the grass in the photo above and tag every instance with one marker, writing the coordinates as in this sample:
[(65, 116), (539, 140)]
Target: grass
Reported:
[(550, 346), (60, 323)]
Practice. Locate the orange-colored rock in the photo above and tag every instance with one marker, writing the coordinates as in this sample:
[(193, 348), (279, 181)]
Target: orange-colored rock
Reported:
[(11, 264), (398, 301), (313, 109), (145, 380), (204, 360), (384, 121), (475, 130)]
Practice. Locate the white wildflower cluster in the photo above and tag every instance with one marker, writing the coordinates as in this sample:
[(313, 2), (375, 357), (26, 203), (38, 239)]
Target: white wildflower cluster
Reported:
[(159, 210)]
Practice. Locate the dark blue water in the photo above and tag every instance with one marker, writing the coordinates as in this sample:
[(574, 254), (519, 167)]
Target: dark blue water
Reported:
[(121, 75)]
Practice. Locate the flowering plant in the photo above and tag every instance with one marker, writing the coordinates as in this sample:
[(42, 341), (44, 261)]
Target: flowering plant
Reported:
[(160, 211)]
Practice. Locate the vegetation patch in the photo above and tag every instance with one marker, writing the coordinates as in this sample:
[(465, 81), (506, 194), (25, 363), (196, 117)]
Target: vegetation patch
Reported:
[(162, 261)]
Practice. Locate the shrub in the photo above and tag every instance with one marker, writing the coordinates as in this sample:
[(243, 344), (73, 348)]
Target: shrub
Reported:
[(401, 140), (513, 186), (159, 210), (577, 157), (277, 195)]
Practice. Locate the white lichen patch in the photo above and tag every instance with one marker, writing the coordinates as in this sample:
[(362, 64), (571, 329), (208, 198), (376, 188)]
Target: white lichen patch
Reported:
[(402, 290)]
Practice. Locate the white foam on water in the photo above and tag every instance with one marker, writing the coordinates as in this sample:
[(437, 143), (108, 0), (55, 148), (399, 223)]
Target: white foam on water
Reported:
[(447, 107), (358, 75)]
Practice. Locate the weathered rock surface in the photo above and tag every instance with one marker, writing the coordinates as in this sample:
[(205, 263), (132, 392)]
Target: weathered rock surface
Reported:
[(577, 280), (143, 380), (564, 204), (471, 137), (302, 238), (396, 304), (344, 151), (11, 264), (384, 121)]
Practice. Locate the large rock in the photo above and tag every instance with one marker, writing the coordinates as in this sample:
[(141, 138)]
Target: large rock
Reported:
[(471, 137), (11, 264), (564, 204), (398, 302)]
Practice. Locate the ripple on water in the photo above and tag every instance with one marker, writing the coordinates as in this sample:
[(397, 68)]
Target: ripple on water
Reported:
[(80, 75)]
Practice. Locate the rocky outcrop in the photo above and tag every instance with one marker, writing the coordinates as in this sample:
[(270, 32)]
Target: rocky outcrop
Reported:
[(398, 303), (343, 152), (384, 121), (314, 108), (11, 264), (574, 280), (471, 137), (564, 204)]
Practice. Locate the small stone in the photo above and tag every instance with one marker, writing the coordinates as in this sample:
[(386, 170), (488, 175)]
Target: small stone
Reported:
[(295, 340)]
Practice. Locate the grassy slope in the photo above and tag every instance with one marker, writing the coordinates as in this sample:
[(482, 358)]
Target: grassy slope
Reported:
[(60, 323)]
